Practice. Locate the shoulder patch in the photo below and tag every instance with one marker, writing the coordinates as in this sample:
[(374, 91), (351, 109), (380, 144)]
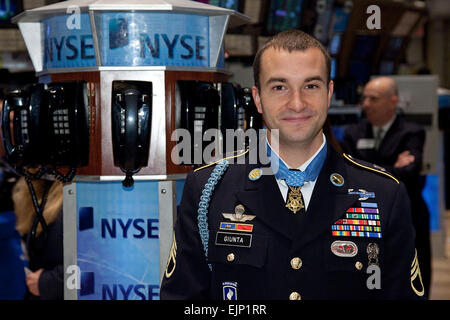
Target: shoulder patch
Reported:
[(239, 153), (370, 167)]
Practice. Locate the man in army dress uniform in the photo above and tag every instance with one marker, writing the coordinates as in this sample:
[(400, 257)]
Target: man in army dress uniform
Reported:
[(331, 228)]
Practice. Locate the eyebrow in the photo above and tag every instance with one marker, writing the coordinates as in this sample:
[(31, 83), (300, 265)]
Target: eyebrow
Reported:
[(315, 78), (270, 80), (283, 80)]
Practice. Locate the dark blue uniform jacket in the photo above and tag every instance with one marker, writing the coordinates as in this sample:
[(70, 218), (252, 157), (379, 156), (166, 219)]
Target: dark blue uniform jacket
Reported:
[(290, 256)]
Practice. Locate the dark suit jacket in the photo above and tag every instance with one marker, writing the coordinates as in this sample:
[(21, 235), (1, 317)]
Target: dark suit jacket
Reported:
[(401, 136), (264, 271)]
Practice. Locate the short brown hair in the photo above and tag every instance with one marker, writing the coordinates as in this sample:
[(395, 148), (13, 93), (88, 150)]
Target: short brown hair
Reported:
[(290, 40)]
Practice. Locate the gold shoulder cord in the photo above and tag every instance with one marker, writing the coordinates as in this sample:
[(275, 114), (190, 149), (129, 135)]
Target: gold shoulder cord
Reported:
[(230, 157), (368, 168)]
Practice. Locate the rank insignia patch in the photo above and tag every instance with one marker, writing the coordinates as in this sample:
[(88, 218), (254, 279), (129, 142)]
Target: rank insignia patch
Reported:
[(416, 277), (229, 290), (171, 264)]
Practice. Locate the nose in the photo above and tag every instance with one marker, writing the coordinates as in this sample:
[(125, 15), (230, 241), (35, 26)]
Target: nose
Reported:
[(296, 101), (366, 103)]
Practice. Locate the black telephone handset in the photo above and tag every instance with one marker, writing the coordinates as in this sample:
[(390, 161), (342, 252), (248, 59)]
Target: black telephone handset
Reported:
[(198, 104), (232, 117), (233, 114), (23, 138), (253, 119), (131, 108), (68, 124)]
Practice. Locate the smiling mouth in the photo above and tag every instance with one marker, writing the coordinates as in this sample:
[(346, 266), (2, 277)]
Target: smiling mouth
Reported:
[(296, 118)]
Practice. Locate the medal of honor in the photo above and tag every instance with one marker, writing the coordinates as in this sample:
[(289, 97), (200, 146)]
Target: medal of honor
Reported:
[(295, 200)]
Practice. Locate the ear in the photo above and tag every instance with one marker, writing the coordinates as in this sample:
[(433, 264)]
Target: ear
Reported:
[(330, 91), (394, 100), (256, 98)]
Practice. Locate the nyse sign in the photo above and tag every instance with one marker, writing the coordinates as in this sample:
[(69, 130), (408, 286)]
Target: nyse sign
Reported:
[(128, 39), (118, 241), (154, 39), (68, 48)]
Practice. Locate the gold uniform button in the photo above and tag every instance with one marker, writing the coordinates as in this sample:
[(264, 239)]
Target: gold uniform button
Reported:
[(230, 257), (295, 296), (358, 265), (296, 263)]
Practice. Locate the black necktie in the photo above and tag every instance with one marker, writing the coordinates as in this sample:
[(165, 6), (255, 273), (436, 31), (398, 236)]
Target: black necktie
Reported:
[(378, 138)]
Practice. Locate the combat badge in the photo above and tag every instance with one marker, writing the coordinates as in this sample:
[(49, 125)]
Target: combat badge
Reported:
[(363, 194), (344, 248)]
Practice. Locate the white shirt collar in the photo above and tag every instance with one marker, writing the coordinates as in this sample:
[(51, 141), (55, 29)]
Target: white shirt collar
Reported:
[(385, 127)]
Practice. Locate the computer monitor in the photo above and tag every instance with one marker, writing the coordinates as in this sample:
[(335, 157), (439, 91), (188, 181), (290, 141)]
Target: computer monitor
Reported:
[(386, 67), (335, 44), (360, 70), (393, 47), (8, 9), (228, 4), (365, 47), (340, 19), (283, 15), (333, 70)]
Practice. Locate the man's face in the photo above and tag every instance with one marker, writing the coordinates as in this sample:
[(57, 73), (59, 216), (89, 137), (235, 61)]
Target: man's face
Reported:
[(294, 96), (379, 106)]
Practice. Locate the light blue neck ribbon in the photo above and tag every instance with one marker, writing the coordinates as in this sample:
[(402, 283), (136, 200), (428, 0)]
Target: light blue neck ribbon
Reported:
[(296, 177)]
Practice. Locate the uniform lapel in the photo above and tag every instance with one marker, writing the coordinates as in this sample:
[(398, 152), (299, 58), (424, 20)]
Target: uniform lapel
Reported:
[(263, 199), (328, 202)]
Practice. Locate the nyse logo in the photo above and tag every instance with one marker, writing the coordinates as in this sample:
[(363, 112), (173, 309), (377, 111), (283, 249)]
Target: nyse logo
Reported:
[(85, 283), (136, 228), (70, 47), (156, 45), (119, 291), (125, 228)]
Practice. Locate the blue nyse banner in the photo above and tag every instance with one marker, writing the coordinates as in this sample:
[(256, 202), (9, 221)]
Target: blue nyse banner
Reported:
[(68, 48), (153, 39), (118, 241), (128, 39)]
